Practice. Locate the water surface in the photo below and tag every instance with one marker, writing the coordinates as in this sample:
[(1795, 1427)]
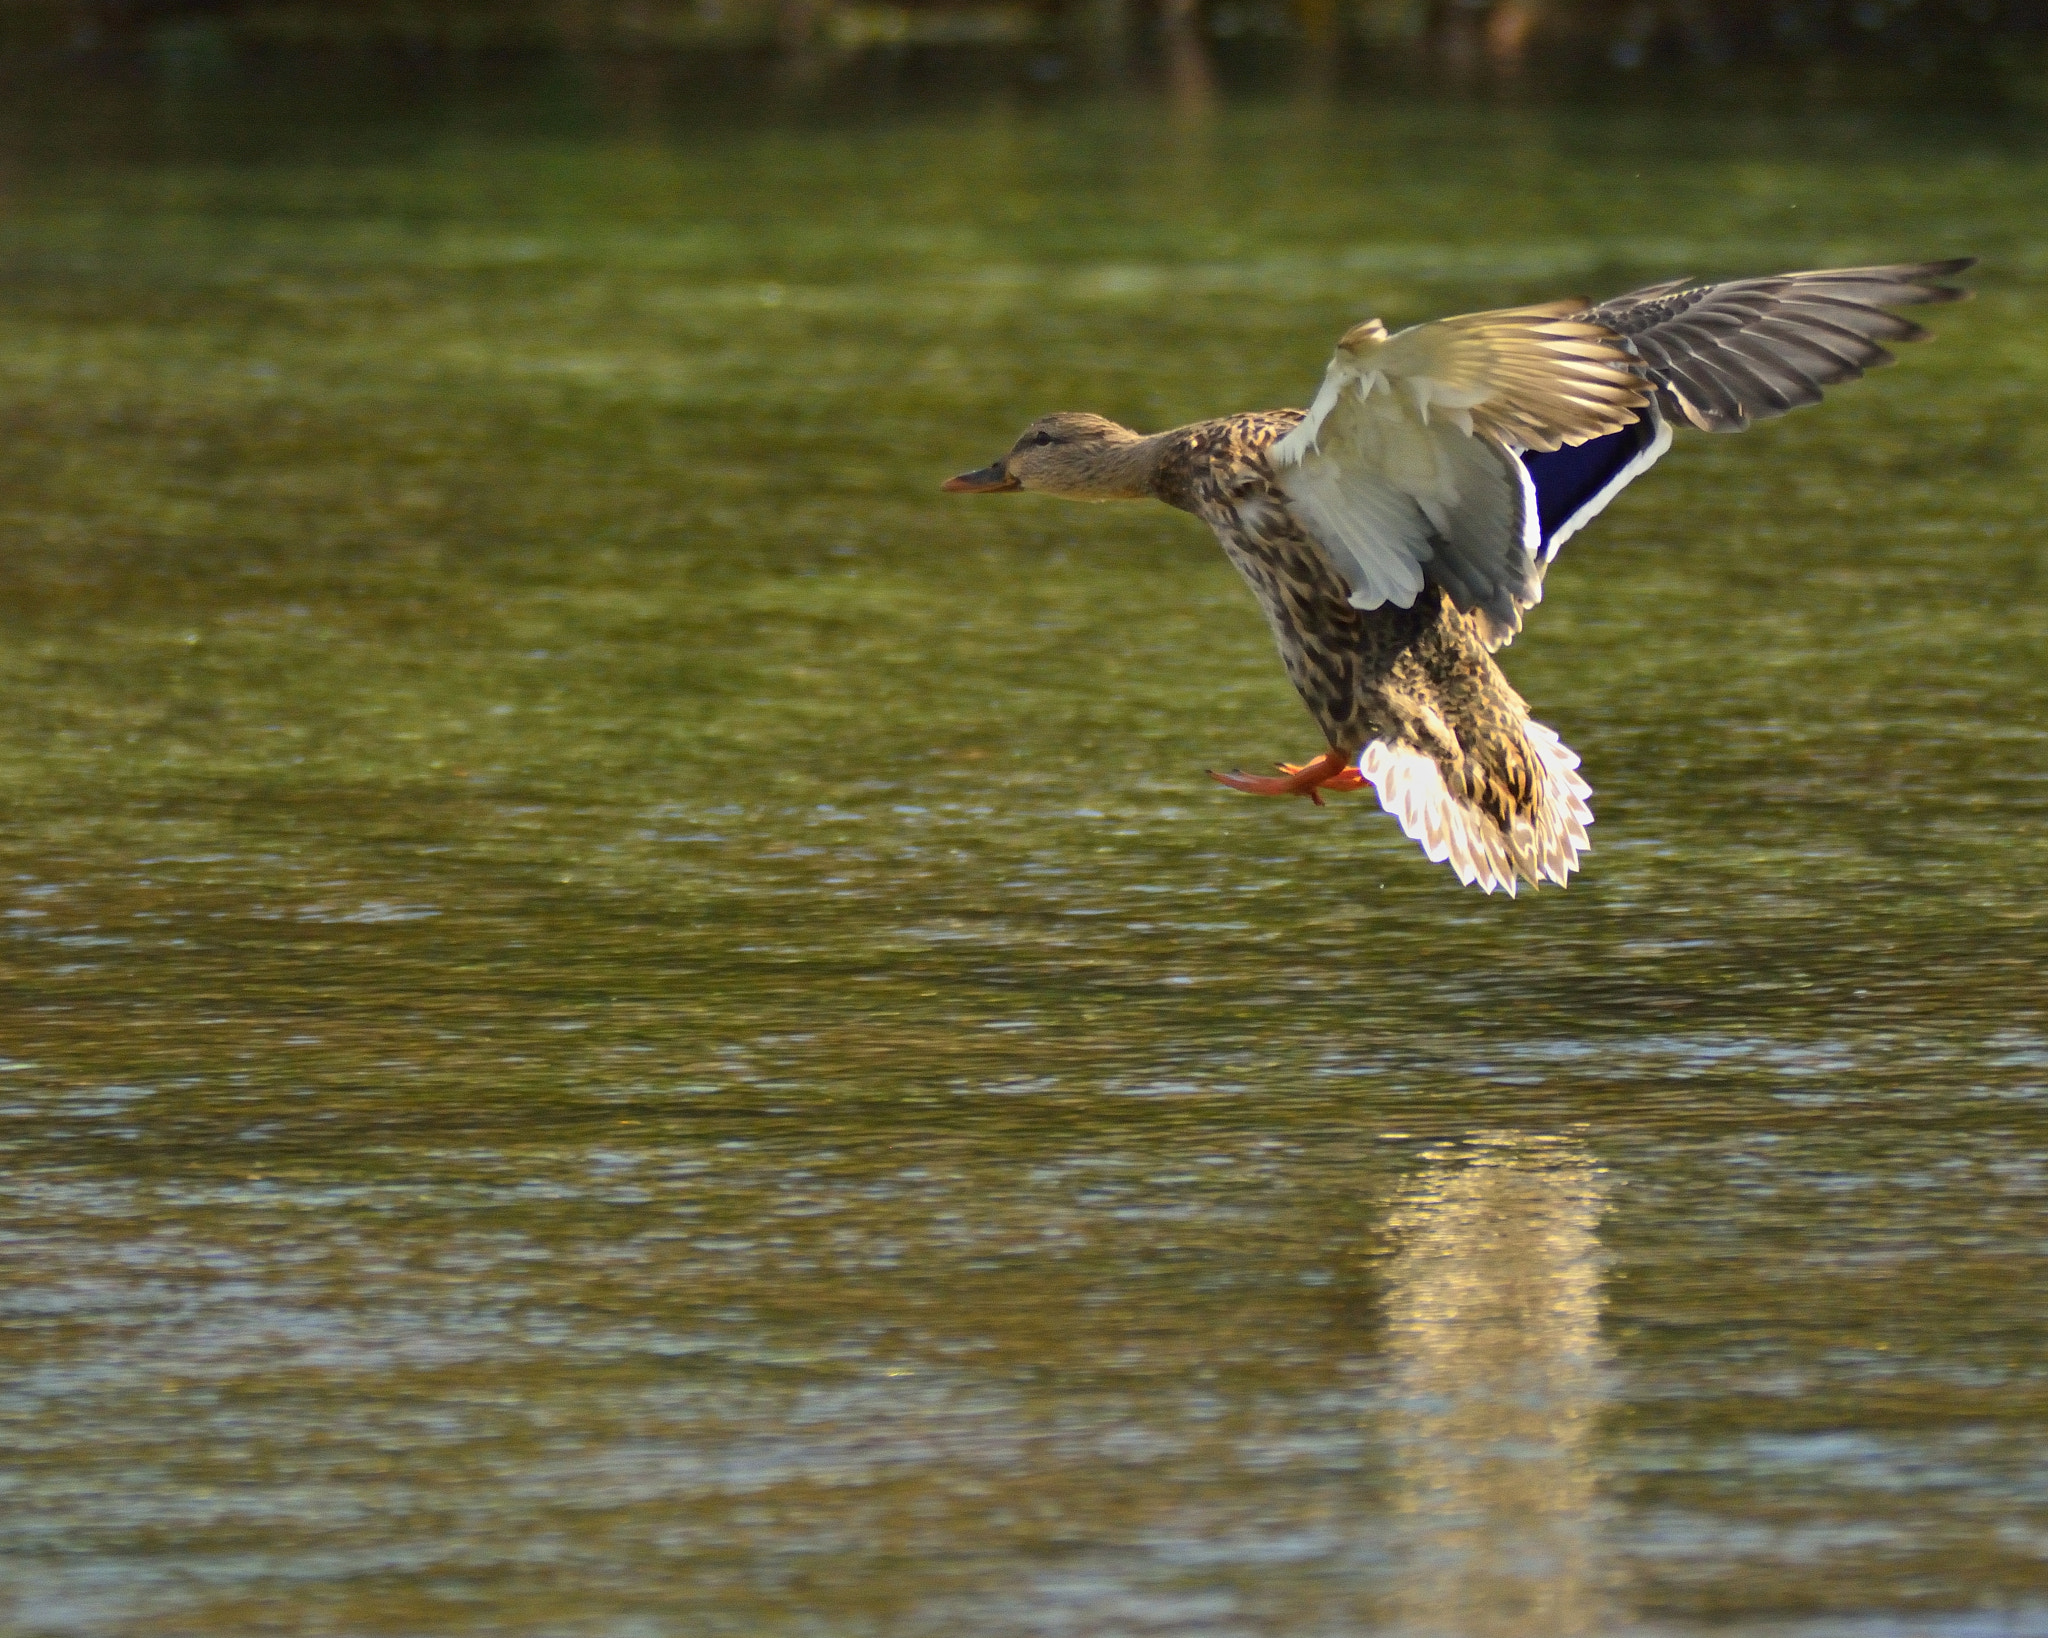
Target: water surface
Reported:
[(618, 1019)]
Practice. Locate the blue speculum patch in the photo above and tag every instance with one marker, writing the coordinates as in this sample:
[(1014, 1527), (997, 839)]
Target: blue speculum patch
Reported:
[(1569, 479)]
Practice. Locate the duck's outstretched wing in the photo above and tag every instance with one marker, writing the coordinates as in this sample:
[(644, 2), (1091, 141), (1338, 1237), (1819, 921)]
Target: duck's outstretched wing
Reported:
[(1720, 356), (1723, 355), (1408, 456)]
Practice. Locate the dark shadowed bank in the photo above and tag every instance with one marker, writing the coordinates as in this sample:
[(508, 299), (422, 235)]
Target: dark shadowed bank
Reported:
[(1997, 46)]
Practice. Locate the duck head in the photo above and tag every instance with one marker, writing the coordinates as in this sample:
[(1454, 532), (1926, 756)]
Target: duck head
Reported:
[(1071, 454)]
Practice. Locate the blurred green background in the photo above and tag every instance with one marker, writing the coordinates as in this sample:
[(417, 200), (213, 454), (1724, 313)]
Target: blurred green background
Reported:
[(616, 1018)]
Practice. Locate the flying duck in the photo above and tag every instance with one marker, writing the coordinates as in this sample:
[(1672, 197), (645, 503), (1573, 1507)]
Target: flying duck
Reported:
[(1395, 531)]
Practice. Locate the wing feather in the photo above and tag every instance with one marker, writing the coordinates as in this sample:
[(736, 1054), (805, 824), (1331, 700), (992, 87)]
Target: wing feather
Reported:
[(1812, 349), (1408, 456), (1724, 355), (1409, 464), (1534, 377)]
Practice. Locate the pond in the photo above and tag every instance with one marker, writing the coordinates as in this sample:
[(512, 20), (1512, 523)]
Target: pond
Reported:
[(619, 1019)]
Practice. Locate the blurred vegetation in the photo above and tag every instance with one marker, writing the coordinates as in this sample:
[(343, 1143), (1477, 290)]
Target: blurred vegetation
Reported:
[(1925, 37)]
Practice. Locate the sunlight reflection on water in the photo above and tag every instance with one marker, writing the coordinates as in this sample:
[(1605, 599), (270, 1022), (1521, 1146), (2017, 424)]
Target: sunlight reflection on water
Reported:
[(1498, 1381)]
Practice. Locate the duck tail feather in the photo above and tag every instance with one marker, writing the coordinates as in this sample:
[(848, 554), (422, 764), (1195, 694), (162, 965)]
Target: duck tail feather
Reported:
[(1543, 846)]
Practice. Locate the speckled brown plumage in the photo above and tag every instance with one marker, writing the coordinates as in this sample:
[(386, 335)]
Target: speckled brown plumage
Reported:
[(1419, 676), (1395, 531)]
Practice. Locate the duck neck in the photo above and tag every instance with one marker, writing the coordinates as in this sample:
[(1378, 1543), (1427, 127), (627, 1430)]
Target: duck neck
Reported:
[(1127, 469)]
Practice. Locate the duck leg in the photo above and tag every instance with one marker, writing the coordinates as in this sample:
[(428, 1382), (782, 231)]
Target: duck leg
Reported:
[(1332, 771)]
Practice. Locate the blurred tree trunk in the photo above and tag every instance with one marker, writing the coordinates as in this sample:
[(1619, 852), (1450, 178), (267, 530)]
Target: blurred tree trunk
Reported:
[(1190, 77), (1458, 39), (575, 23), (801, 36), (1106, 38), (1508, 27), (1320, 44)]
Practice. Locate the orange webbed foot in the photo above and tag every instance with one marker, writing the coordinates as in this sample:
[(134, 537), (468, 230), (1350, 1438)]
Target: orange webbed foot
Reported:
[(1328, 772)]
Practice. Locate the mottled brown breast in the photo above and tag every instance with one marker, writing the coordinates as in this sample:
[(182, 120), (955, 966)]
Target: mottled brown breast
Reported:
[(1419, 676), (1219, 471)]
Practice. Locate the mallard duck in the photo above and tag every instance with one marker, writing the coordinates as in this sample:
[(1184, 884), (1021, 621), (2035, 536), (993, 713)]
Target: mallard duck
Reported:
[(1396, 530)]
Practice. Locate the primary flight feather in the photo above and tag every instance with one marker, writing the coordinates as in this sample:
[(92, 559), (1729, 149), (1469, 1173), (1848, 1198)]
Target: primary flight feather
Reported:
[(1396, 530)]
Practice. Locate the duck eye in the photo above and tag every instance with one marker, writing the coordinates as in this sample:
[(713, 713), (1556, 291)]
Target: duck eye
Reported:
[(1042, 439)]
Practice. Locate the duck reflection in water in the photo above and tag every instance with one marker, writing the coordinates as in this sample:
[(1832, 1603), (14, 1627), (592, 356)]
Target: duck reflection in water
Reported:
[(1497, 1382)]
